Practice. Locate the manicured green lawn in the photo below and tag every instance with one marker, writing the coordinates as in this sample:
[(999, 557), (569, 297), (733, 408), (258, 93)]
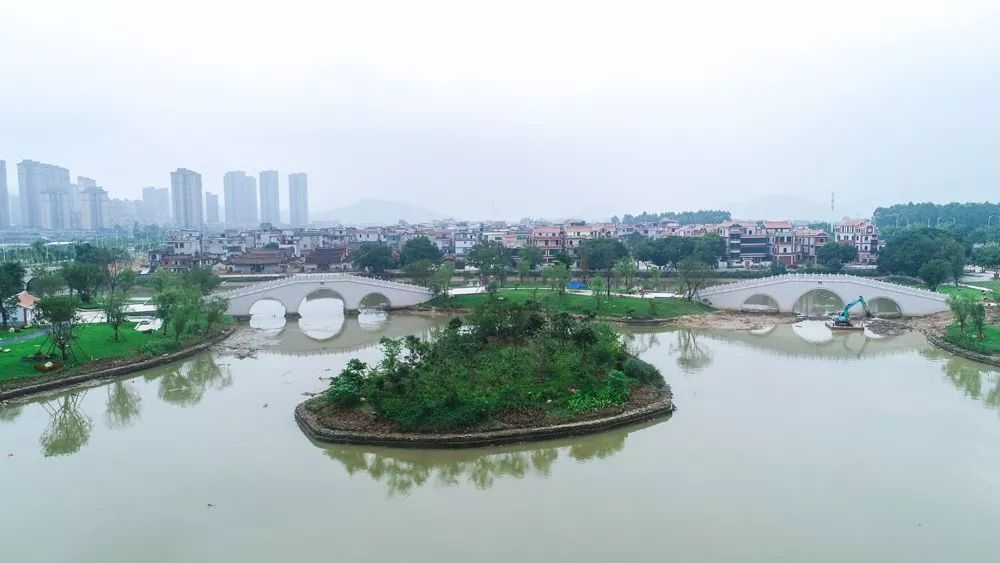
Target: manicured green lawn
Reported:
[(634, 307), (992, 284), (7, 335), (973, 294), (94, 342), (990, 344)]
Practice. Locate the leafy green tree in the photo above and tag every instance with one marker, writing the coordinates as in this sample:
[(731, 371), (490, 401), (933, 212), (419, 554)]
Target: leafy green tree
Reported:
[(655, 279), (419, 248), (215, 308), (115, 308), (123, 281), (625, 269), (46, 285), (961, 307), (934, 272), (977, 316), (563, 258), (57, 317), (373, 258), (987, 256), (666, 250), (557, 276), (11, 283), (419, 271), (833, 255), (907, 252), (710, 248), (492, 258), (84, 279), (597, 289), (185, 312), (692, 275), (440, 282), (523, 270), (530, 254), (204, 279), (777, 268), (600, 255)]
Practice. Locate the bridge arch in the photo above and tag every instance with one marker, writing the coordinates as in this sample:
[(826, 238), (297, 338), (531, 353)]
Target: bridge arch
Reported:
[(375, 300), (817, 302), (268, 313), (760, 303), (885, 306)]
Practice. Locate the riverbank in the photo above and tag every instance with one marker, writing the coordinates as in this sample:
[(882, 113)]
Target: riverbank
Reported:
[(323, 424), (97, 371)]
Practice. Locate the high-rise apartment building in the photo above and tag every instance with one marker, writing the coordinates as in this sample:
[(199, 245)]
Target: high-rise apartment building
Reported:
[(185, 193), (156, 205), (211, 208), (51, 211), (269, 207), (239, 192), (4, 198), (94, 208), (298, 199)]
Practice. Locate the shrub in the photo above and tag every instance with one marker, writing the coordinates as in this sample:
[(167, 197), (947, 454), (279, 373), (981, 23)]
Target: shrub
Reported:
[(641, 371)]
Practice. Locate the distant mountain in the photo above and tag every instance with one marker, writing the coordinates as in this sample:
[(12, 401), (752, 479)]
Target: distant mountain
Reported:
[(371, 211)]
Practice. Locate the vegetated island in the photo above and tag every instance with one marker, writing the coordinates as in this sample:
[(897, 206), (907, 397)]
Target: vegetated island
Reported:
[(506, 372)]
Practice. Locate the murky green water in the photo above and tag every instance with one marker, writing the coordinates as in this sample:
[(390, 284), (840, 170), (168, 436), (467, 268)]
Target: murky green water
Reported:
[(789, 445)]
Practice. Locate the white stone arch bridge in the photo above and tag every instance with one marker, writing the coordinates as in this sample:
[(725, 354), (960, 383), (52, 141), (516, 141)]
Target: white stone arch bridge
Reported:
[(291, 291), (787, 293)]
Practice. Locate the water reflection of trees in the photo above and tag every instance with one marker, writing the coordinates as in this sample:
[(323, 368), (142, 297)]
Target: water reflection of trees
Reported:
[(692, 356), (68, 429), (122, 406), (185, 385), (8, 414), (968, 376), (402, 471)]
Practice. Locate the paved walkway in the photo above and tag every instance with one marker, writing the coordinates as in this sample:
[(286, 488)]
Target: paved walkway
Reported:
[(20, 338)]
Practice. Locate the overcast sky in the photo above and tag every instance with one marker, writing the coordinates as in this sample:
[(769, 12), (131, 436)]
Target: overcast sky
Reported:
[(508, 109)]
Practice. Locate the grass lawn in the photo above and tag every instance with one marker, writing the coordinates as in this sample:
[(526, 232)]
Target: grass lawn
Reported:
[(634, 307), (990, 344), (950, 290), (94, 342), (992, 284)]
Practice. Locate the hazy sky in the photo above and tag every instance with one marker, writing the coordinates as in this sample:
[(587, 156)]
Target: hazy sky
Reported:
[(509, 109)]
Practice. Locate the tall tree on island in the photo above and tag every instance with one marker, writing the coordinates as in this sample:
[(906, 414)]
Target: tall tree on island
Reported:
[(11, 283), (600, 255)]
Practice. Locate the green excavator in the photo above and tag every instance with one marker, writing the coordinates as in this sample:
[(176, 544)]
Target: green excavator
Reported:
[(843, 320)]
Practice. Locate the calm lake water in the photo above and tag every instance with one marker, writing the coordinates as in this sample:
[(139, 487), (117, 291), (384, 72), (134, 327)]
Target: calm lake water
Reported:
[(789, 445)]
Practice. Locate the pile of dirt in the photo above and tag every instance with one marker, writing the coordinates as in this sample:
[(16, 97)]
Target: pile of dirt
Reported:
[(729, 320), (887, 327), (244, 343)]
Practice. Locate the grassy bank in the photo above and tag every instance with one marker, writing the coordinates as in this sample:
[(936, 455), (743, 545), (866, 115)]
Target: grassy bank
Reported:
[(635, 307), (94, 342), (989, 345)]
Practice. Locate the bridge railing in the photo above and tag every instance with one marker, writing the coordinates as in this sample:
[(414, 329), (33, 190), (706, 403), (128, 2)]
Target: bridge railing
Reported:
[(323, 277), (764, 282)]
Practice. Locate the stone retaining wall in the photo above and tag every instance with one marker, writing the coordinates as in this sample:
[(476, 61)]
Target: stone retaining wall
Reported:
[(307, 421), (109, 373), (958, 351)]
